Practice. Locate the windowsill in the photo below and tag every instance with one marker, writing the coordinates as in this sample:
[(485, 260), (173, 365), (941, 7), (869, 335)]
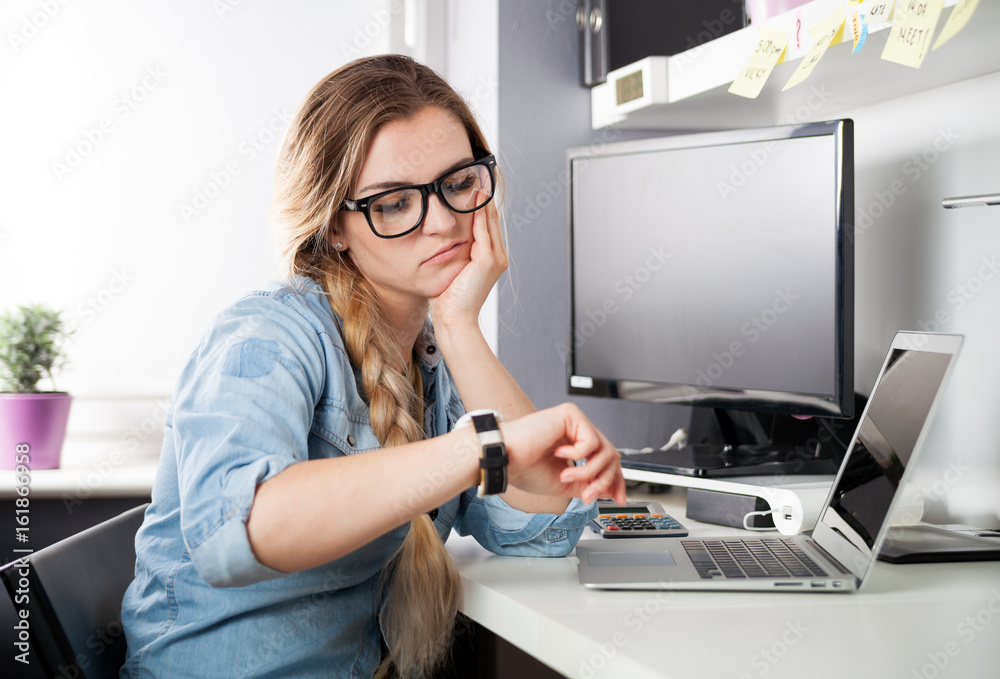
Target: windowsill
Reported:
[(95, 468)]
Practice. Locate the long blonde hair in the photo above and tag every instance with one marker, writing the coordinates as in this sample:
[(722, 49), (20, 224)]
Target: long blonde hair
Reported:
[(321, 158)]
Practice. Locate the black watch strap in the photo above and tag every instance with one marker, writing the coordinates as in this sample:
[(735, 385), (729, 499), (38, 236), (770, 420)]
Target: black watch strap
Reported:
[(492, 455)]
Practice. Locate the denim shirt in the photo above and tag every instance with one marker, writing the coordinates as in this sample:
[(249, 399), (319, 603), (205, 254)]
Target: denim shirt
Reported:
[(269, 385)]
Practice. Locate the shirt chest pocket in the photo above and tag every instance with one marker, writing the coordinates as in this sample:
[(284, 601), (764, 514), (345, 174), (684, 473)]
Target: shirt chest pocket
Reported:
[(348, 432)]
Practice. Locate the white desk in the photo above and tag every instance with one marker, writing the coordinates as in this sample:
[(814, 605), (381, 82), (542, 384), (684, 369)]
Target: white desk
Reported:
[(915, 621)]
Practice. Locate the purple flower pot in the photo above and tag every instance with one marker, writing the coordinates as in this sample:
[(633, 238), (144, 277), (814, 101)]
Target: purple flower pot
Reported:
[(37, 421)]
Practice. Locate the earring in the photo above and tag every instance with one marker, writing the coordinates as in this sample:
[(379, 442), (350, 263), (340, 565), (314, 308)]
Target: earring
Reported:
[(339, 246)]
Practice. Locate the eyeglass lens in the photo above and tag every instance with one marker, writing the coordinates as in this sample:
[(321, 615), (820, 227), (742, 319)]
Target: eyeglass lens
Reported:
[(465, 190)]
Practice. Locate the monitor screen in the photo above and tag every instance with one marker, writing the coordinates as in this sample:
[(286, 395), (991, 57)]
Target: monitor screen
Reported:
[(716, 269)]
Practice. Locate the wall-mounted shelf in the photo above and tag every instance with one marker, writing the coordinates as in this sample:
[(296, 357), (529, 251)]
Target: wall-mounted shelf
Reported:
[(690, 90)]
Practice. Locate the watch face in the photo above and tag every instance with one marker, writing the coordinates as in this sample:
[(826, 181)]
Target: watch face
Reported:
[(485, 422)]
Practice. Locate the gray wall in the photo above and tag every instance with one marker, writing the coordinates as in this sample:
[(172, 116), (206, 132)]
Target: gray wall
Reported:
[(543, 111)]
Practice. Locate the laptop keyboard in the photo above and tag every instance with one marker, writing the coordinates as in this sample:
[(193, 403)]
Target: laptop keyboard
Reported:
[(751, 558)]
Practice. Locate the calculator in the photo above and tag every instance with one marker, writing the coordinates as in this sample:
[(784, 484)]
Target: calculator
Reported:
[(635, 520)]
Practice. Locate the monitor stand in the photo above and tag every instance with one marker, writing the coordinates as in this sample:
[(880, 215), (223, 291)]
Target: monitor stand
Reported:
[(728, 443)]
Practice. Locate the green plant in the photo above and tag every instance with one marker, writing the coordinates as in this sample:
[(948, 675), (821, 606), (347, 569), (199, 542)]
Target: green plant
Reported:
[(31, 345)]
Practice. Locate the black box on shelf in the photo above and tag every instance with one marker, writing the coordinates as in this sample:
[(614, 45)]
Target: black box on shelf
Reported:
[(727, 509), (615, 33)]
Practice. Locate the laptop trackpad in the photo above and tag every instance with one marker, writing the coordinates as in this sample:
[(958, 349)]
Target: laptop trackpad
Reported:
[(625, 559)]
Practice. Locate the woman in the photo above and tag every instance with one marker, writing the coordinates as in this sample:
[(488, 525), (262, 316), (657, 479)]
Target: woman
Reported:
[(311, 465)]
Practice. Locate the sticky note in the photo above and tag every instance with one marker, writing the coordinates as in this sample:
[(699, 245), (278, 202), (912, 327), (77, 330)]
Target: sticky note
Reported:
[(823, 34), (859, 31), (959, 17), (768, 53), (912, 30), (880, 11)]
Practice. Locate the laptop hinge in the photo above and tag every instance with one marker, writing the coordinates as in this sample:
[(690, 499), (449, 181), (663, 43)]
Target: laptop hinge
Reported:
[(829, 557)]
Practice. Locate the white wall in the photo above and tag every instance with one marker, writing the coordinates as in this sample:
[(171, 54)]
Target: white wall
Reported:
[(139, 142), (471, 64), (921, 267)]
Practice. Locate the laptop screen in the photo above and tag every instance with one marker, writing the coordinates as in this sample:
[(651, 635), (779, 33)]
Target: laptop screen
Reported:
[(899, 408)]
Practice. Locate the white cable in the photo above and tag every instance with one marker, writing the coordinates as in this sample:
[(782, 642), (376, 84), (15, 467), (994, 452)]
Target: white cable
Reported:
[(679, 438), (746, 519)]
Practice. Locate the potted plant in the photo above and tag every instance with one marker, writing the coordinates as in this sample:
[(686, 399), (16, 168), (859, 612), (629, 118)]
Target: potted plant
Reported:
[(31, 421)]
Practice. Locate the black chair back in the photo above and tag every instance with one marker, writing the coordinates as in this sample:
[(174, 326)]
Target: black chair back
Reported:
[(72, 592)]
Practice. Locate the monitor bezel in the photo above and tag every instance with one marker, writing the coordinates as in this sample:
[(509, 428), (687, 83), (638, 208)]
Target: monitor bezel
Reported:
[(839, 404)]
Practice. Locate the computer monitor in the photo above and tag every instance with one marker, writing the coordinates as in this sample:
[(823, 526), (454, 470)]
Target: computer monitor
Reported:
[(716, 270)]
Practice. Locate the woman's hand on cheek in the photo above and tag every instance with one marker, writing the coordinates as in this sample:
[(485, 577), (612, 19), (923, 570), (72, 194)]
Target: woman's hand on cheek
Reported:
[(461, 301)]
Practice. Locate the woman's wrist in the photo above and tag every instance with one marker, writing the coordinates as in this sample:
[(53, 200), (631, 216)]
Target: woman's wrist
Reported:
[(458, 334)]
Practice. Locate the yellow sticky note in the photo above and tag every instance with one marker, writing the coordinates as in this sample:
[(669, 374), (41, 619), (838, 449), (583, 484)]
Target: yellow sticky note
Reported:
[(823, 35), (880, 11), (859, 31), (959, 17), (768, 53), (910, 37)]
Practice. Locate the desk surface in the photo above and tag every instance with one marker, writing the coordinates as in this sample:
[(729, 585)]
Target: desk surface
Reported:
[(910, 621)]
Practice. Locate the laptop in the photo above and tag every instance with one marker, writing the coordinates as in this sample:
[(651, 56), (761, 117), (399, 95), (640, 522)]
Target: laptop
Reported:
[(852, 524)]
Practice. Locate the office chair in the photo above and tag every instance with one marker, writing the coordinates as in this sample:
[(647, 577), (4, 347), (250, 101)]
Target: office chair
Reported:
[(74, 597)]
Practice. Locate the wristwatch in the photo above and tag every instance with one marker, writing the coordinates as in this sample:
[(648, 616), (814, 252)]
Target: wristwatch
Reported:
[(492, 451)]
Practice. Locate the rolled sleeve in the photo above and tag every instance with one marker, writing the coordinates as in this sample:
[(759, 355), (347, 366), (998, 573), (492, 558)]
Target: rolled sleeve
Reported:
[(220, 549), (503, 529), (242, 415)]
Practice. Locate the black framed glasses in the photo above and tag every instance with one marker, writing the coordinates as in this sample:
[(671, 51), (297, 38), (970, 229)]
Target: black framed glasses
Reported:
[(397, 212)]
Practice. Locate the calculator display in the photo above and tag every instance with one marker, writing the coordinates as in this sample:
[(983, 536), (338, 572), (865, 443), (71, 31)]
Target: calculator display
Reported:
[(624, 509)]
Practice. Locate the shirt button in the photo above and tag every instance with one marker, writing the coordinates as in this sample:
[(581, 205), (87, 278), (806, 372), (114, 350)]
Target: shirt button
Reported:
[(350, 440), (431, 348)]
